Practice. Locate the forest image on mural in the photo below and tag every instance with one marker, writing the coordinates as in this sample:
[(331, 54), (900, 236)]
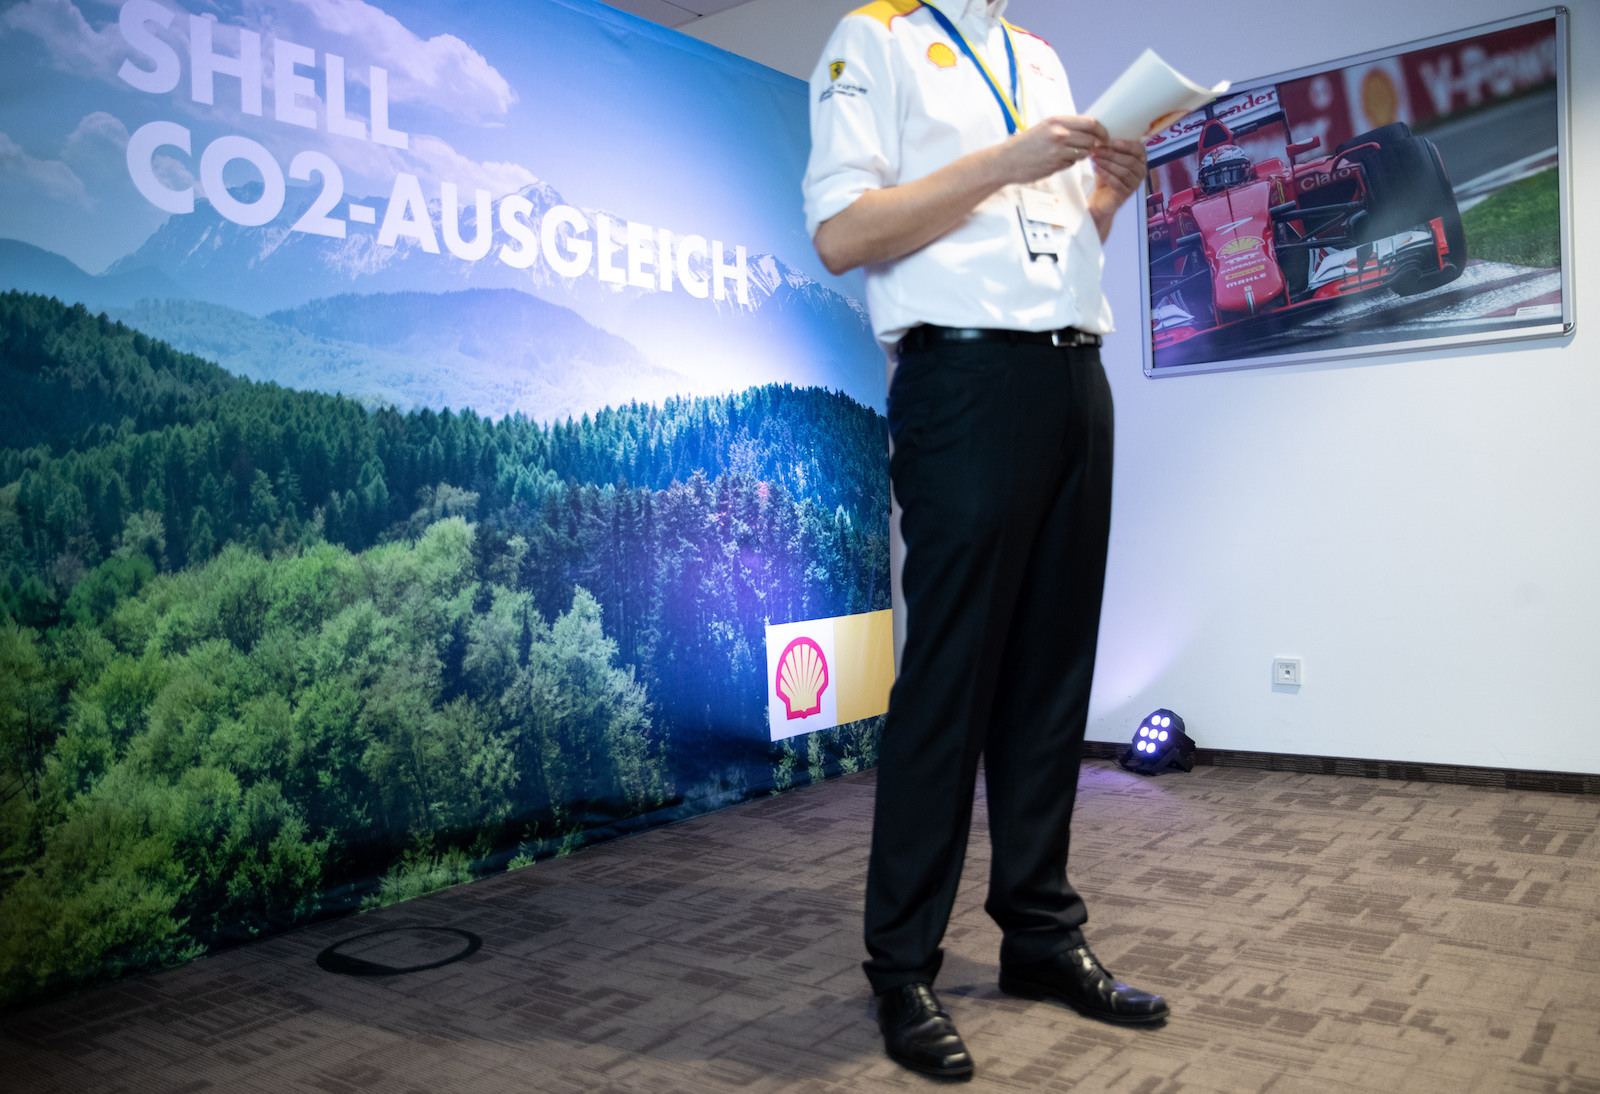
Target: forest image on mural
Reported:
[(269, 654), (401, 457)]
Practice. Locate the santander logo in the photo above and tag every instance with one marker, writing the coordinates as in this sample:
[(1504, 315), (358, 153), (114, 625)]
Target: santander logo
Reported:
[(802, 678)]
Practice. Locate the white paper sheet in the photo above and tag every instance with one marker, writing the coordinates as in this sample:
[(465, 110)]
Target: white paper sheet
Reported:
[(1148, 95)]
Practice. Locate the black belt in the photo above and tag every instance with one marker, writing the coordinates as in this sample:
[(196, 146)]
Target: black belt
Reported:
[(927, 335)]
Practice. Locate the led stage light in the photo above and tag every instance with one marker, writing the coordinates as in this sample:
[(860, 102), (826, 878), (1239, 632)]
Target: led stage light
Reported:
[(1160, 745)]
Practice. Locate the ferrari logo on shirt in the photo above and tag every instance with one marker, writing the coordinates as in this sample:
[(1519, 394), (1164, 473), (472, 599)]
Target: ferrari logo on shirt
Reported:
[(942, 55), (835, 69)]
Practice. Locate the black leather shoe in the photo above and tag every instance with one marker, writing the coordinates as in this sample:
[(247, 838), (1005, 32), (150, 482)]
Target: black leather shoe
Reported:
[(917, 1033), (1076, 978)]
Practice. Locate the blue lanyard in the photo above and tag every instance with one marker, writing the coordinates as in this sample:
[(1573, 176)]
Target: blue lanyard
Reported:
[(1007, 106)]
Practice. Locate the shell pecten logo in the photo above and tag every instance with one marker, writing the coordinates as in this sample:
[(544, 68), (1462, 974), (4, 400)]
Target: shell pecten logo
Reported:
[(942, 55), (1239, 246), (823, 673), (802, 678)]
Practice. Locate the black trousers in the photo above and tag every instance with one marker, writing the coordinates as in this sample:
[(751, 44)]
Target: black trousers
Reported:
[(1002, 467)]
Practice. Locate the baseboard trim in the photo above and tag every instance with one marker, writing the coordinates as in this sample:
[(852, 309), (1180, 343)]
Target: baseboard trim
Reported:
[(1556, 782)]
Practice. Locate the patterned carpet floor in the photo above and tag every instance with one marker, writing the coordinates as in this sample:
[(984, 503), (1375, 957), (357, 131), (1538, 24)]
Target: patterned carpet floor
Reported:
[(1314, 933)]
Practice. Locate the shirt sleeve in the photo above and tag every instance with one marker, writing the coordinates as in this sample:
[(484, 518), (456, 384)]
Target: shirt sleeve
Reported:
[(855, 144)]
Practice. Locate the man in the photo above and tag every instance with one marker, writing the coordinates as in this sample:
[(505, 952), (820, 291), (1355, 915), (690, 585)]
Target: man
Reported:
[(948, 160)]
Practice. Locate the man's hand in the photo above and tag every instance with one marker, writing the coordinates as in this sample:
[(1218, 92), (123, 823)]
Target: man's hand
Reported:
[(1119, 170), (1055, 144)]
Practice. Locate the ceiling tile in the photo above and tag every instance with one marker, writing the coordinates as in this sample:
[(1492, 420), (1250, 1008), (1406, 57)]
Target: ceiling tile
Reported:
[(660, 11), (710, 7)]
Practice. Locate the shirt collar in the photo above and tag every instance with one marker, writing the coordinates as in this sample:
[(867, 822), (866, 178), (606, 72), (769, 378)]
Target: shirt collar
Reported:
[(980, 9)]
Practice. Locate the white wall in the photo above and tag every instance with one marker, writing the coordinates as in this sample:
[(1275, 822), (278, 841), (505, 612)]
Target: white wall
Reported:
[(1423, 531)]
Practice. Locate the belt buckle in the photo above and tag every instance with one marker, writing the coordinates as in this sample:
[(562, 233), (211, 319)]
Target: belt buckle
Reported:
[(1073, 338)]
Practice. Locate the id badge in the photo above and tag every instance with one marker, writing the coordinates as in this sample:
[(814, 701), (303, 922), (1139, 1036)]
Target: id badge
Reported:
[(1043, 216)]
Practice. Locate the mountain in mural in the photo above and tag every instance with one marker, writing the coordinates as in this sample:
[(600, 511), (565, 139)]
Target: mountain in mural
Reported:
[(24, 266), (497, 351), (793, 327), (404, 326), (516, 352)]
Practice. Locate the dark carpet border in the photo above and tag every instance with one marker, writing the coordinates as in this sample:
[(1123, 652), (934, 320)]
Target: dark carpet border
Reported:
[(1557, 782)]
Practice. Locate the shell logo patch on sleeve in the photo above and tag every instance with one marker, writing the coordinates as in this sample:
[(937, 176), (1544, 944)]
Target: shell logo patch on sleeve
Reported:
[(835, 69), (942, 55)]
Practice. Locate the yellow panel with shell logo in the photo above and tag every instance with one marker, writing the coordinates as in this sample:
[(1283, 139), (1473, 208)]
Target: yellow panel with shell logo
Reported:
[(823, 673)]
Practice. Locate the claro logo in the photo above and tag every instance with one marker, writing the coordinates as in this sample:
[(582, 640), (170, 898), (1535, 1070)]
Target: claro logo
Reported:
[(1323, 178)]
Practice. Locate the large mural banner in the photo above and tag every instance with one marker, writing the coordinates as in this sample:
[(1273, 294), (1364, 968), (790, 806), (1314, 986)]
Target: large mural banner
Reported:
[(414, 418)]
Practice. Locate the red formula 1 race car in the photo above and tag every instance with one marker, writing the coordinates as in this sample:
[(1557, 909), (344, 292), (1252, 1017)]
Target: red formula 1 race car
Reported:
[(1259, 238)]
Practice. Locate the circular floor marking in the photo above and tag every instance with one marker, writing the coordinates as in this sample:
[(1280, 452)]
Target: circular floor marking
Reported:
[(408, 944)]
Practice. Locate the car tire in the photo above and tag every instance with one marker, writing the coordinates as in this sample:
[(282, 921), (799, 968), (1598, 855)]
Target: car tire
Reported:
[(1440, 202), (1397, 174), (1408, 188), (1384, 135)]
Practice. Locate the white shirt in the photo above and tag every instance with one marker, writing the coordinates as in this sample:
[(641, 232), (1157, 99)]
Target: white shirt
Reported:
[(894, 99)]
